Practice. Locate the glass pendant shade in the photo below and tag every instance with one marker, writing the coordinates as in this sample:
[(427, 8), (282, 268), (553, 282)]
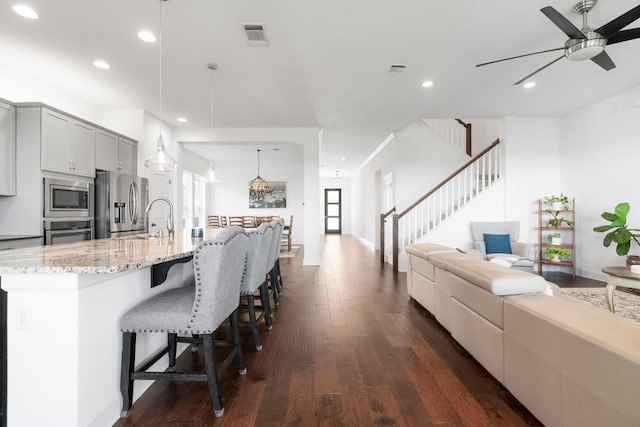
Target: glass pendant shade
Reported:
[(258, 187), (160, 159), (211, 175)]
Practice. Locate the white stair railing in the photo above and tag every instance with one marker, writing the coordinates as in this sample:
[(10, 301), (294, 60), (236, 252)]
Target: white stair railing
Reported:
[(446, 198), (452, 130)]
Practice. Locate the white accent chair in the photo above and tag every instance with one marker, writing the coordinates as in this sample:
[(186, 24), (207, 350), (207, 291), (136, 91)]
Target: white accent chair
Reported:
[(520, 256)]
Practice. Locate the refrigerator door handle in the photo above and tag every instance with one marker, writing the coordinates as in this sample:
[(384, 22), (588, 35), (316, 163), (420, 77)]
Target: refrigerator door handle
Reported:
[(131, 201), (136, 205)]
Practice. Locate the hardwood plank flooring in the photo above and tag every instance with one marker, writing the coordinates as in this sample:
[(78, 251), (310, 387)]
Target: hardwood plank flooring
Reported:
[(348, 348)]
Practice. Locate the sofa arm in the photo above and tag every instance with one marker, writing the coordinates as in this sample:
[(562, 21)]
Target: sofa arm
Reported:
[(522, 249)]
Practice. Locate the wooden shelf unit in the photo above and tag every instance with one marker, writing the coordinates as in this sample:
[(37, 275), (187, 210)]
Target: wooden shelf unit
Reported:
[(568, 235)]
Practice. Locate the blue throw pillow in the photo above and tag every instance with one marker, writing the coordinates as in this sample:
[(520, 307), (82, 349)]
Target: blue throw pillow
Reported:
[(497, 243)]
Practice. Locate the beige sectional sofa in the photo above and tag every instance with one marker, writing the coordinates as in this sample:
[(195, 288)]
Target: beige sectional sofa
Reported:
[(569, 363)]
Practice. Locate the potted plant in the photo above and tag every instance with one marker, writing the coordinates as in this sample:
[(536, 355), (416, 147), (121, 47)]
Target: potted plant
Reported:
[(618, 231), (556, 220), (554, 238), (557, 203), (556, 254)]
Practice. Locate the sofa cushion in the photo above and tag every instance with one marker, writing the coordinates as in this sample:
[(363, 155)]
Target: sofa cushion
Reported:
[(497, 243), (423, 250), (440, 259), (494, 278)]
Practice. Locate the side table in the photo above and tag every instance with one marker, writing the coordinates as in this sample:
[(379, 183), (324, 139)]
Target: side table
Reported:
[(619, 276)]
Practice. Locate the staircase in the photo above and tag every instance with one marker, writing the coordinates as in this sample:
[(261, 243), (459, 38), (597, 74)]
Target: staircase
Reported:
[(445, 199)]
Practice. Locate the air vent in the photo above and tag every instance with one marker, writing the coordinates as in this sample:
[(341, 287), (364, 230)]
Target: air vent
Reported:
[(397, 69), (255, 34)]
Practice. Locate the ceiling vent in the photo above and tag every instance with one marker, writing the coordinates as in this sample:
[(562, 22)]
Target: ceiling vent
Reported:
[(395, 69), (255, 34)]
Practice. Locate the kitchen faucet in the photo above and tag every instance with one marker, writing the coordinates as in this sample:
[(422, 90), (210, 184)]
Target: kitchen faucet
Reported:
[(170, 222)]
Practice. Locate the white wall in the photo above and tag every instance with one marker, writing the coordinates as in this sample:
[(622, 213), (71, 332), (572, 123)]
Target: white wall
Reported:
[(598, 154), (231, 195)]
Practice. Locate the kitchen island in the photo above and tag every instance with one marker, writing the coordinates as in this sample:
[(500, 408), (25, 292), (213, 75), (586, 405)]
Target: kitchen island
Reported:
[(63, 310)]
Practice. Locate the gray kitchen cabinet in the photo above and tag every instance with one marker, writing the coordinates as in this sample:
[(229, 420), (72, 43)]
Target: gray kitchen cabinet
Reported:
[(115, 153), (7, 150), (68, 145)]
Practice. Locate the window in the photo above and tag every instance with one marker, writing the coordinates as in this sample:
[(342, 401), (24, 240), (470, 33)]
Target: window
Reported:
[(194, 195)]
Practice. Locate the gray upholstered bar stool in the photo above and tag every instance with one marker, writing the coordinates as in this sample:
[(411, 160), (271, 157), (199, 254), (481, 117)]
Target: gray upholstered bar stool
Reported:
[(273, 266), (191, 310), (255, 278)]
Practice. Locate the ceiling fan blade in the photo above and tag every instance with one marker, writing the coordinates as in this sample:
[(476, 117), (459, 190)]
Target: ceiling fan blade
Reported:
[(563, 23), (603, 60), (612, 27), (624, 35), (537, 71), (519, 56)]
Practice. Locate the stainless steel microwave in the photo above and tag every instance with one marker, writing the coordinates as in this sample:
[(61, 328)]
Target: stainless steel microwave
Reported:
[(68, 198)]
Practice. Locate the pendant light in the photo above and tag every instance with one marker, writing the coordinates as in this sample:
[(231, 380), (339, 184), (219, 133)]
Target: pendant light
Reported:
[(160, 159), (211, 175), (258, 187)]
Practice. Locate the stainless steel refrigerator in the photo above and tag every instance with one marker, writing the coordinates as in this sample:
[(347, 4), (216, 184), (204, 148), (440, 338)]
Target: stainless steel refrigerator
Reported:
[(119, 204)]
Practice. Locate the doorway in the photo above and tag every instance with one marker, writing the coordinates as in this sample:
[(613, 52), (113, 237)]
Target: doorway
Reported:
[(333, 210)]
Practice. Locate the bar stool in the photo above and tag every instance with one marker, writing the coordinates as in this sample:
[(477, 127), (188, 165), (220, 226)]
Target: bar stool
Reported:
[(193, 310), (274, 252), (255, 278)]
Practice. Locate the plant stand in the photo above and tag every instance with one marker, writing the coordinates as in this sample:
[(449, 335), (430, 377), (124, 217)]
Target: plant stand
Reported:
[(568, 235)]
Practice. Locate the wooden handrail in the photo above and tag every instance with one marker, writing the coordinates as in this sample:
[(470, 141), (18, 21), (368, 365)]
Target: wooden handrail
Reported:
[(447, 179), (467, 127)]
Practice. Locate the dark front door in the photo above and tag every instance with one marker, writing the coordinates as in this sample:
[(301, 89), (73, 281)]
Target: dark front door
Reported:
[(333, 210)]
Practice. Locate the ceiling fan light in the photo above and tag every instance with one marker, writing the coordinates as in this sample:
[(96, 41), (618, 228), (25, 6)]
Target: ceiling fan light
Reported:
[(580, 50)]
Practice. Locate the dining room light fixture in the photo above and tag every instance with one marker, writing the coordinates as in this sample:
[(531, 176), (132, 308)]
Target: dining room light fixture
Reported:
[(258, 187), (337, 177), (161, 159)]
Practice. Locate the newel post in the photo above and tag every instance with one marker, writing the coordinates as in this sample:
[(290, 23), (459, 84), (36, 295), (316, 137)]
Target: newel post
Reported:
[(395, 242)]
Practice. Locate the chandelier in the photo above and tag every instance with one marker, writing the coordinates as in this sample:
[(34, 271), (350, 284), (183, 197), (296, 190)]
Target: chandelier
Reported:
[(258, 187)]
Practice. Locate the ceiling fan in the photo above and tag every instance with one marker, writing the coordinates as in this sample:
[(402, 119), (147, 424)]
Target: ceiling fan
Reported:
[(586, 43)]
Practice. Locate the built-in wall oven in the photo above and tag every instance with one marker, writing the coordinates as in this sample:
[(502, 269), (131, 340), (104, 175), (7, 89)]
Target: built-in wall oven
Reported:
[(68, 210)]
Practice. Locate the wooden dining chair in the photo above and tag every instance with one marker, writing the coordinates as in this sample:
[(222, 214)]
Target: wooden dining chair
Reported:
[(249, 221), (213, 221), (261, 219), (236, 220)]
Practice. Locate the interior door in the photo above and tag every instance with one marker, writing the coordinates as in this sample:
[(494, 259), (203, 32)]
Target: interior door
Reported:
[(333, 210)]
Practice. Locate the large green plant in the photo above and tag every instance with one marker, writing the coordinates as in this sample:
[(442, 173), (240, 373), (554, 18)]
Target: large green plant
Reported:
[(618, 231)]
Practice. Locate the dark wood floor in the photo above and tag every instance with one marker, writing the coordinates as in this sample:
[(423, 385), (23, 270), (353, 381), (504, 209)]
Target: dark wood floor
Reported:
[(348, 348)]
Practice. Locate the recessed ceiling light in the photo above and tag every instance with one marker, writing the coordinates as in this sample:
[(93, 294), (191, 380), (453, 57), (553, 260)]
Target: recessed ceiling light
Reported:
[(101, 64), (428, 83), (343, 158), (26, 11), (529, 85), (182, 120), (147, 36)]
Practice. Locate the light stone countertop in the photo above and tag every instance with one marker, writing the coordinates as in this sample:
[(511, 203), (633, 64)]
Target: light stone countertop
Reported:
[(102, 256)]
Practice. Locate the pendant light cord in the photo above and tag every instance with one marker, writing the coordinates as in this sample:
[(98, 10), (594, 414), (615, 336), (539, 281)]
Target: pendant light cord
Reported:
[(160, 47)]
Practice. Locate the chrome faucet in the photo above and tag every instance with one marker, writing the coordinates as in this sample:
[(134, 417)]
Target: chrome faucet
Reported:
[(170, 222)]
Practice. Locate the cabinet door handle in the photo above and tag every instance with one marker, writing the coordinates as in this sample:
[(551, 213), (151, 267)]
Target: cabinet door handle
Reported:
[(70, 164)]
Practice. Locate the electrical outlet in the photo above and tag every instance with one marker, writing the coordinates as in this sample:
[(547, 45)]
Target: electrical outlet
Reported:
[(23, 318)]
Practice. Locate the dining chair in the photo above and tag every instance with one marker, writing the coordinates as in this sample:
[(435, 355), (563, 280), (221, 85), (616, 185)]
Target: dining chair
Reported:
[(255, 279), (213, 221), (286, 234), (194, 312), (249, 221), (236, 220)]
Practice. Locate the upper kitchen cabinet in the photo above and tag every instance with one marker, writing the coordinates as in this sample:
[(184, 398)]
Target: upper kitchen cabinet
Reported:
[(115, 153), (67, 145), (7, 150)]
